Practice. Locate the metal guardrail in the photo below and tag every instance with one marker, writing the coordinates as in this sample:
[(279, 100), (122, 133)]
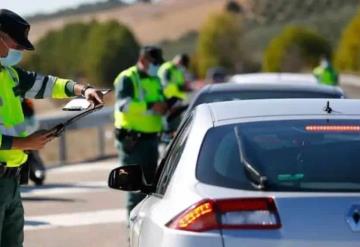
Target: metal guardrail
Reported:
[(95, 120)]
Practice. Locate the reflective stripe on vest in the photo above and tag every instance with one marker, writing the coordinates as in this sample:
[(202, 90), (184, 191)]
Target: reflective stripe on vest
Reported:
[(147, 90), (11, 116)]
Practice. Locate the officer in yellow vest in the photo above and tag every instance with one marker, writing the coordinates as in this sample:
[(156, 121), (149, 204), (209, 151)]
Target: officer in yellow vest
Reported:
[(173, 77), (139, 107), (16, 84), (325, 73)]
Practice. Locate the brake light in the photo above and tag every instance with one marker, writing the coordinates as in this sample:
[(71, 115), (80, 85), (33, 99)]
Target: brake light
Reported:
[(245, 213), (333, 128)]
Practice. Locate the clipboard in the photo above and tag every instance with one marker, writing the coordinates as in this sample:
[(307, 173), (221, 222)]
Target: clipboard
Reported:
[(60, 128), (74, 105)]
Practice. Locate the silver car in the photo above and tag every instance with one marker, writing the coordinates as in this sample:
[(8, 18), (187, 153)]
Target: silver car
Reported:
[(257, 173), (273, 77)]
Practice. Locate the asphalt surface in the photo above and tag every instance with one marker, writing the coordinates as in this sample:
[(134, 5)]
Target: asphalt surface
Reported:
[(352, 91), (75, 207)]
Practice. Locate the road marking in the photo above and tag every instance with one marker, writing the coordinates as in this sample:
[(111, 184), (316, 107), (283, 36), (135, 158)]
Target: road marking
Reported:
[(46, 190), (75, 219), (87, 167)]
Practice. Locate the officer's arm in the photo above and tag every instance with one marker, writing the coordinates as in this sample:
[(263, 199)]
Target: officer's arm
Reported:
[(125, 96), (34, 85), (35, 141)]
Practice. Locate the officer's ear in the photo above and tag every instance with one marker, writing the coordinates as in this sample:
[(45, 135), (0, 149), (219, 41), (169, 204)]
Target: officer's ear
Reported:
[(144, 61)]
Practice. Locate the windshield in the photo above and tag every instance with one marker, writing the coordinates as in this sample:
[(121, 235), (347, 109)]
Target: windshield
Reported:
[(306, 155), (245, 95)]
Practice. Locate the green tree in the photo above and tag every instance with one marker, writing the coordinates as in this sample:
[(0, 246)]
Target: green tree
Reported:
[(295, 49), (219, 43), (96, 51), (347, 56), (110, 49), (60, 52)]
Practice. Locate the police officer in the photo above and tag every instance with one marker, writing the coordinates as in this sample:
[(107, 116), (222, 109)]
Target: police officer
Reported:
[(325, 73), (16, 84), (139, 108), (173, 77)]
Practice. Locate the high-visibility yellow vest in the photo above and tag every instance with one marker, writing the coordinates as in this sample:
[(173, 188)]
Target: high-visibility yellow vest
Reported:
[(12, 121), (172, 88), (136, 116), (326, 76)]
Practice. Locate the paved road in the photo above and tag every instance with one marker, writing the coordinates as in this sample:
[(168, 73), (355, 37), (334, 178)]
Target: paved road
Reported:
[(352, 91), (75, 208)]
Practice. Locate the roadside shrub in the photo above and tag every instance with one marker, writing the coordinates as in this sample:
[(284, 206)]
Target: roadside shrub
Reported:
[(295, 49), (110, 49), (219, 43), (94, 51), (347, 56)]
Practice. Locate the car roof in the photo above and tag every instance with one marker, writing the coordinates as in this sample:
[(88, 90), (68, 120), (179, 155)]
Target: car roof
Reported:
[(271, 86), (274, 77), (229, 110)]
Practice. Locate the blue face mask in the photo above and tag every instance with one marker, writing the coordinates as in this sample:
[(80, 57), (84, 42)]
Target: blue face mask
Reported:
[(13, 57), (152, 70)]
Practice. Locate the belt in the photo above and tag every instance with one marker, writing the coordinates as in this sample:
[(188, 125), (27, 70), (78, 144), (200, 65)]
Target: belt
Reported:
[(121, 133), (9, 172)]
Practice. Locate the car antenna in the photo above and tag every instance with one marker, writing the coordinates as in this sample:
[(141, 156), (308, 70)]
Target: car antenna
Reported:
[(328, 109)]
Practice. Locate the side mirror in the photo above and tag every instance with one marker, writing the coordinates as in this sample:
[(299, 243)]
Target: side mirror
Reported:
[(128, 178)]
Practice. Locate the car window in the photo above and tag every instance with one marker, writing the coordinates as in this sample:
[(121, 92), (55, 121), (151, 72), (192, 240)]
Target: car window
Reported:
[(173, 156), (296, 155), (258, 94)]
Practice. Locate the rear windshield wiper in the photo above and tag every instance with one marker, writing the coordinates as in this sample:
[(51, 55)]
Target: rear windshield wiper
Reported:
[(257, 180)]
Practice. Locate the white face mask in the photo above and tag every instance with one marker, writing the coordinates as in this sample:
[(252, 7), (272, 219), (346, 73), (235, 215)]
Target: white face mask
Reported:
[(13, 57), (152, 70)]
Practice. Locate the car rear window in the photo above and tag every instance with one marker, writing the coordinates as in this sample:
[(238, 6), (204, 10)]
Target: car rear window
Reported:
[(296, 155), (257, 94)]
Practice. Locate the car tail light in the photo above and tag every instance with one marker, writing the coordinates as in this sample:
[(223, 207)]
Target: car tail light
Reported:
[(245, 213), (332, 128)]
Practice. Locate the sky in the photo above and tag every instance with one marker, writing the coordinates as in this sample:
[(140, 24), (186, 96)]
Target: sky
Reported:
[(31, 7)]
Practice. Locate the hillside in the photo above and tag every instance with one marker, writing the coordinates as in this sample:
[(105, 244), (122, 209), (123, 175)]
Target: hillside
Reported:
[(327, 17), (151, 23)]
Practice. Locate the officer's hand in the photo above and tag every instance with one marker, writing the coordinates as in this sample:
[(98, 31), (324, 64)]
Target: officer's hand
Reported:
[(34, 141), (160, 107), (95, 96)]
